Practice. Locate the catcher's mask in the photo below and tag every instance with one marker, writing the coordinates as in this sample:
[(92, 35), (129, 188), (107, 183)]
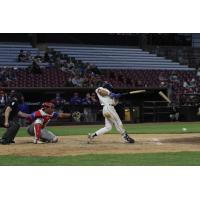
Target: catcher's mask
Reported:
[(107, 86)]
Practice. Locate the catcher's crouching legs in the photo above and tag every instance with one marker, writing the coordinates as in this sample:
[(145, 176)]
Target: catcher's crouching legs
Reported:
[(30, 130), (48, 136)]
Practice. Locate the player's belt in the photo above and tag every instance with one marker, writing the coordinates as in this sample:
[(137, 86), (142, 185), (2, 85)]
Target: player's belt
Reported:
[(108, 105)]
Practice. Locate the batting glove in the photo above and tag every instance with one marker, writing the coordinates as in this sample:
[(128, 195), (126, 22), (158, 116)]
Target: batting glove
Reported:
[(115, 96)]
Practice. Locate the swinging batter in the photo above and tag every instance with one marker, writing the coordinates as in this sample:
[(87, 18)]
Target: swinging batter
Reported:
[(108, 100)]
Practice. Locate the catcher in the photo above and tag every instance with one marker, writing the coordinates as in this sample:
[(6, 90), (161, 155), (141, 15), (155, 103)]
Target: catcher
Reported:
[(108, 100), (40, 119)]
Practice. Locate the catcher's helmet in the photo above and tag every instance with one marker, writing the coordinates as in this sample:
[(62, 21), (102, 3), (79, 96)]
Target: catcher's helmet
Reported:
[(107, 85), (48, 105)]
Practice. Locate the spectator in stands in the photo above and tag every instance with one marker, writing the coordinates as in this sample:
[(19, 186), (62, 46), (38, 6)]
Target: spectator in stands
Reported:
[(186, 84), (193, 83), (173, 77), (174, 115), (35, 68), (77, 81), (3, 77), (22, 56), (68, 82), (13, 74), (87, 110), (23, 107), (75, 103), (94, 69), (98, 81), (94, 106), (10, 75), (46, 57), (38, 57), (88, 68), (138, 83), (28, 56), (162, 77), (92, 81), (198, 73), (163, 84), (86, 82), (3, 100), (59, 102), (12, 92), (76, 100), (82, 68)]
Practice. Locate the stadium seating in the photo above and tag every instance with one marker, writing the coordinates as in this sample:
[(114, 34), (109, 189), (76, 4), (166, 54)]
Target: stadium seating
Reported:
[(130, 65), (9, 54), (48, 78), (107, 57)]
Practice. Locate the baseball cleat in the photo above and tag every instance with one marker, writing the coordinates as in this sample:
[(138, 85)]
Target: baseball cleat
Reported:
[(90, 138), (128, 139), (36, 141), (4, 141)]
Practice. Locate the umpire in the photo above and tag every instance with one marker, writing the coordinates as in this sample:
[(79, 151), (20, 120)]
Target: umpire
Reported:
[(11, 119)]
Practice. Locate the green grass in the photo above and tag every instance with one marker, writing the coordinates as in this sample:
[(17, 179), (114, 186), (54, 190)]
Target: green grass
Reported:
[(148, 159), (147, 128), (144, 159)]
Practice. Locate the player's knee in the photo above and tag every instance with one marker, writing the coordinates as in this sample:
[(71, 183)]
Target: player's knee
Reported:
[(108, 128), (30, 131), (55, 139)]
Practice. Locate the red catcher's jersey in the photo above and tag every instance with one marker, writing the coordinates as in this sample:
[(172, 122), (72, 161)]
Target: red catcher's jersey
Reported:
[(40, 117)]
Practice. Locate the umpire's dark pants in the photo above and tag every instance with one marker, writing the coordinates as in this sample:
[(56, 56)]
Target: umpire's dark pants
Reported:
[(11, 131)]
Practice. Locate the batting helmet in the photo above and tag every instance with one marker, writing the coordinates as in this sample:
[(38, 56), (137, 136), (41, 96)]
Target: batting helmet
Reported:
[(107, 86)]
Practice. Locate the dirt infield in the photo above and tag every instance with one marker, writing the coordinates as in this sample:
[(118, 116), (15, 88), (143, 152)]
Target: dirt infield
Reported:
[(77, 145)]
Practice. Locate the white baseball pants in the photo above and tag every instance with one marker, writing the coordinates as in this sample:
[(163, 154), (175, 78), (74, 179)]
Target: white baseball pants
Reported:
[(111, 117)]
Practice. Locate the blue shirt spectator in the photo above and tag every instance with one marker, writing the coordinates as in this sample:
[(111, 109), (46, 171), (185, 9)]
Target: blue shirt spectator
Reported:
[(75, 100), (23, 107), (87, 100)]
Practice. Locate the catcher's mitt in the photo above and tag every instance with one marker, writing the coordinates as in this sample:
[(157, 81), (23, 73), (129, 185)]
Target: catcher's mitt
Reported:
[(76, 116)]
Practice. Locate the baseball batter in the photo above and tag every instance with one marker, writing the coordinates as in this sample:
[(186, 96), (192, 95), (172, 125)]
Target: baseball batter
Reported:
[(108, 100), (39, 121)]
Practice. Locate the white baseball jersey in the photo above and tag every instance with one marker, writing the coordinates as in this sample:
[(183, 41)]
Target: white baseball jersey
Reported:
[(106, 100), (109, 112)]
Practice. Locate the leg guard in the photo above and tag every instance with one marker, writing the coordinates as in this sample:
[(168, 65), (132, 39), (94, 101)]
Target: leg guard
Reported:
[(48, 136), (37, 131)]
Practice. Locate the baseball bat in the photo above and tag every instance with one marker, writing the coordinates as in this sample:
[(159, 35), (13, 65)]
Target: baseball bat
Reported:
[(137, 91), (133, 92), (164, 96)]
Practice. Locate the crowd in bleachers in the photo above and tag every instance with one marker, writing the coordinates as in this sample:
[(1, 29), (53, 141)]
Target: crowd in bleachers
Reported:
[(65, 71), (78, 74), (7, 76), (74, 76)]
